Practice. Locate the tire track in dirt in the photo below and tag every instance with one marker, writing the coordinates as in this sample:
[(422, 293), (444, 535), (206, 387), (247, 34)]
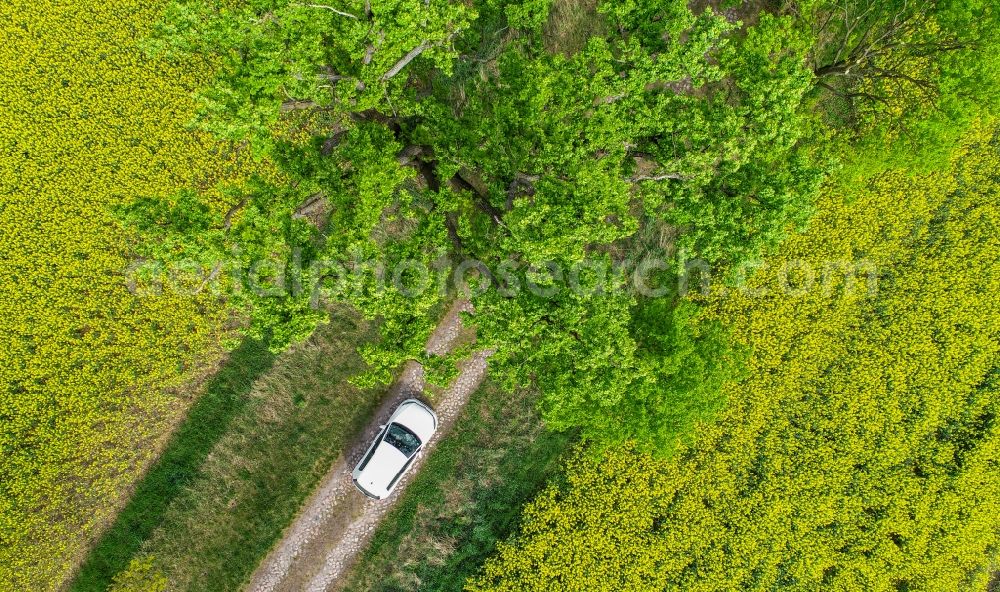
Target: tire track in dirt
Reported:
[(337, 521)]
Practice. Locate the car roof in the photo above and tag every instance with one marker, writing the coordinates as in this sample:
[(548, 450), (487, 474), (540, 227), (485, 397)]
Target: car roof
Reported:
[(381, 469)]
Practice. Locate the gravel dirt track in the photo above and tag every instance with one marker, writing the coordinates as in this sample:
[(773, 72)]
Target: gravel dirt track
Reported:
[(337, 521)]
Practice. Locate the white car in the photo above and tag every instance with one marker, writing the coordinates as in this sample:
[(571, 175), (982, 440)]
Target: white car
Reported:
[(392, 453)]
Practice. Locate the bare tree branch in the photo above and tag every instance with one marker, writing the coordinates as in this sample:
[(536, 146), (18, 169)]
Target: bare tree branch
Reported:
[(854, 95), (521, 181), (402, 63), (330, 8), (410, 154), (227, 221), (296, 105), (211, 276), (659, 177), (332, 77)]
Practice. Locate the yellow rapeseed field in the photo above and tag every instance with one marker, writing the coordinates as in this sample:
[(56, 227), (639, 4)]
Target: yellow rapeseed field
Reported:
[(861, 450), (87, 121)]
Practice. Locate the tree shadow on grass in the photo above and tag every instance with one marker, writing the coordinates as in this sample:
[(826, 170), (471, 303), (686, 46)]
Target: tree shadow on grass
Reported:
[(225, 397)]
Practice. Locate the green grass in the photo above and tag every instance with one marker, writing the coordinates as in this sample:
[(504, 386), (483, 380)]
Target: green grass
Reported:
[(252, 450), (468, 496), (571, 23), (224, 399)]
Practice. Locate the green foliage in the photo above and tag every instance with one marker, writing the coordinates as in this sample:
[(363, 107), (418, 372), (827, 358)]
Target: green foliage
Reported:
[(613, 367), (907, 78), (675, 118), (257, 254), (860, 450), (566, 182), (383, 217), (578, 350), (528, 15), (140, 576), (771, 167), (685, 360), (687, 154), (281, 55)]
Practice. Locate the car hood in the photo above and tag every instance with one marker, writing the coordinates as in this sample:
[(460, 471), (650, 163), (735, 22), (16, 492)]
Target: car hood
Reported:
[(385, 464)]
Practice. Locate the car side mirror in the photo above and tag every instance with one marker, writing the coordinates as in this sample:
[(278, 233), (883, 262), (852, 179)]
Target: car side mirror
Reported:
[(381, 427)]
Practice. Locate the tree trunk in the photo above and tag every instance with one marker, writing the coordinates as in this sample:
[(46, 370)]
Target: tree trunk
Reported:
[(398, 67), (837, 69), (295, 105)]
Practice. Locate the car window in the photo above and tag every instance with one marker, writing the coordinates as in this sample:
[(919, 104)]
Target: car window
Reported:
[(403, 439)]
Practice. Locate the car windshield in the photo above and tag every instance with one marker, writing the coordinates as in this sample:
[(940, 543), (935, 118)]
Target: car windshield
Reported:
[(403, 439)]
